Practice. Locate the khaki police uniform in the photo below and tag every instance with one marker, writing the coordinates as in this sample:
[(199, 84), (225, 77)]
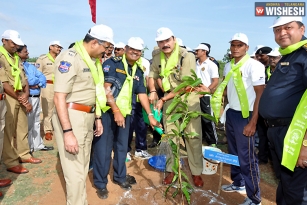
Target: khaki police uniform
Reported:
[(2, 116), (193, 145), (46, 66), (72, 76), (15, 143)]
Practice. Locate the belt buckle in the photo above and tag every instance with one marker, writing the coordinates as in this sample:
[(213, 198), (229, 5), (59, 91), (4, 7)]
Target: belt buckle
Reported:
[(93, 108)]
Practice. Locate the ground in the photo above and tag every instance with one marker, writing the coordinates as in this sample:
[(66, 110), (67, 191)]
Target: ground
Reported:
[(44, 184)]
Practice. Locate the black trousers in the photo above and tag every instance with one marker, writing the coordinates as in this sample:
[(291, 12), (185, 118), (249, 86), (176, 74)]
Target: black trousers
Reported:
[(263, 146), (292, 187), (208, 127)]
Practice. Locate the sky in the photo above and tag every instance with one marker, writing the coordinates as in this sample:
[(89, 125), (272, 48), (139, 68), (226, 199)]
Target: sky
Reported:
[(194, 21)]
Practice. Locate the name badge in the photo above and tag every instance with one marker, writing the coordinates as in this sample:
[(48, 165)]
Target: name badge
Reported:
[(120, 71), (49, 63), (284, 63)]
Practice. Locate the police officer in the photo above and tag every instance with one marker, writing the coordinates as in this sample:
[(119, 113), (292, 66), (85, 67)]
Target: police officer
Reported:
[(263, 146), (208, 72), (45, 64), (36, 80), (119, 49), (123, 77), (185, 61), (274, 57), (278, 103), (15, 145), (76, 80), (3, 182)]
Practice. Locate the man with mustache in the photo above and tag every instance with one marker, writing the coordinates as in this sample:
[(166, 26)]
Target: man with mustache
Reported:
[(78, 95), (119, 49), (173, 63), (283, 106)]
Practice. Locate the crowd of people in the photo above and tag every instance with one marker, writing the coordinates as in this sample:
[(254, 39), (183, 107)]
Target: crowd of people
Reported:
[(95, 95)]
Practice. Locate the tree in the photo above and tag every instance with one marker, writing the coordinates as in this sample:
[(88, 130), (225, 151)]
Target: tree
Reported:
[(143, 51), (226, 58), (32, 59)]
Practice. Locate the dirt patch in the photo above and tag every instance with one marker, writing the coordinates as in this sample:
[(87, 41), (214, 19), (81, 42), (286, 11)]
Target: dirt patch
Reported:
[(45, 184)]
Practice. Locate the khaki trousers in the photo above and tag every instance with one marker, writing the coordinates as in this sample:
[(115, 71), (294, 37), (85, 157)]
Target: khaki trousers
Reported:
[(75, 167), (15, 143), (2, 124), (47, 106), (193, 145)]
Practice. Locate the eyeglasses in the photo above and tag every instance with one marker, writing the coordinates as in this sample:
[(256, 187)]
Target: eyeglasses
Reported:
[(118, 49)]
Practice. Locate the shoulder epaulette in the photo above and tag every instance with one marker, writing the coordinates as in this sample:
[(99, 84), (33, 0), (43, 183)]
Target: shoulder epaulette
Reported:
[(155, 52), (72, 52), (211, 58), (42, 56), (305, 47), (116, 59)]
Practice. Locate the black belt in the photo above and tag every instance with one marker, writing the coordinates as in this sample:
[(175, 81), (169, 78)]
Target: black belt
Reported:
[(277, 122), (34, 96)]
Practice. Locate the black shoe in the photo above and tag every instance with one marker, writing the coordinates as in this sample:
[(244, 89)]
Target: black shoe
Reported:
[(153, 144), (124, 185), (102, 193), (130, 179), (47, 148)]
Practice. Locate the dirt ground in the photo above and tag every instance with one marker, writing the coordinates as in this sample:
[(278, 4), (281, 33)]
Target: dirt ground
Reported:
[(44, 184)]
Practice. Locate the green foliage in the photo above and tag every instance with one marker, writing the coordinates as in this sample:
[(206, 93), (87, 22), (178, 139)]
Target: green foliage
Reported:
[(180, 115), (32, 60), (226, 58)]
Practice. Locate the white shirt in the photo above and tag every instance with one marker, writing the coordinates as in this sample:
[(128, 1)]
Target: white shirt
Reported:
[(206, 71), (252, 72), (146, 65)]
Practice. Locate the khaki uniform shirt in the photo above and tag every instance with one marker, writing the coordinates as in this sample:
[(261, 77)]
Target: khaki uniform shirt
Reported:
[(45, 65), (6, 71), (74, 77), (188, 63)]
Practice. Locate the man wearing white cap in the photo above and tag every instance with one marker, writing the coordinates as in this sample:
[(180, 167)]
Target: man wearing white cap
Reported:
[(172, 63), (15, 145), (119, 49), (45, 64), (283, 106), (244, 78), (208, 72), (78, 93), (274, 57), (123, 78)]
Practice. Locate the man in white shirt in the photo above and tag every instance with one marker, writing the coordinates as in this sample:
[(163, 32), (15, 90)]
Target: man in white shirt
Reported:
[(241, 118), (208, 72)]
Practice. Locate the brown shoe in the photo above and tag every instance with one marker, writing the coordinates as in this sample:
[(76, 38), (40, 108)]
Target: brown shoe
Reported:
[(48, 136), (5, 182), (198, 181), (19, 169), (31, 160), (168, 180)]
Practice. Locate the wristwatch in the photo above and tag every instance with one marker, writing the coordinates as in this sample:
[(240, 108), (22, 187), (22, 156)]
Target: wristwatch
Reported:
[(305, 142)]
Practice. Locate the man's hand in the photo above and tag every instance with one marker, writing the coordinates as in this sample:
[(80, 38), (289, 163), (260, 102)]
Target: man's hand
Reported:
[(153, 122), (71, 143), (119, 119), (250, 129), (23, 98), (99, 128), (153, 97), (302, 158), (159, 106), (28, 107)]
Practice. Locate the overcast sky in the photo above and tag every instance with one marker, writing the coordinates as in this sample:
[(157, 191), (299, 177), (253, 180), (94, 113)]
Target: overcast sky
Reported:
[(194, 21)]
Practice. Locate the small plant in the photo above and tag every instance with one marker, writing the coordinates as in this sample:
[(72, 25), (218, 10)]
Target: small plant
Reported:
[(181, 116)]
